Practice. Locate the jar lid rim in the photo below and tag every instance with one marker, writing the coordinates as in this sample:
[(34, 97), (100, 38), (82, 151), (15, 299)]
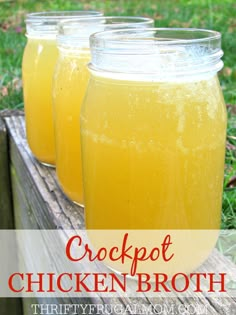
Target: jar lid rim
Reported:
[(122, 19), (58, 15), (129, 36)]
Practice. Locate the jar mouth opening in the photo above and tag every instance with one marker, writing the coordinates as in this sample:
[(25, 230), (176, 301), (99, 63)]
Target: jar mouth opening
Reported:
[(58, 15), (68, 25), (153, 36)]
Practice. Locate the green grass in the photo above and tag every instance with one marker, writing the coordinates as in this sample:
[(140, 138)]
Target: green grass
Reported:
[(229, 198), (212, 14)]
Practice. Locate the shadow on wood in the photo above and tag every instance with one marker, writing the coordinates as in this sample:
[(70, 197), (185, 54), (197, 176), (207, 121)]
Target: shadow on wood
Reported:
[(7, 306)]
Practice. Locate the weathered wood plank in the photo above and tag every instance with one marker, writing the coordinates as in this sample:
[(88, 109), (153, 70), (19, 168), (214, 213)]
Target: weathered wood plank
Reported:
[(45, 199), (11, 112), (38, 200), (7, 306), (6, 210), (39, 203)]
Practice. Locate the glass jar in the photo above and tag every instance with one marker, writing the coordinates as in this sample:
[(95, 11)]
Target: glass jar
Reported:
[(38, 66), (153, 130), (69, 86)]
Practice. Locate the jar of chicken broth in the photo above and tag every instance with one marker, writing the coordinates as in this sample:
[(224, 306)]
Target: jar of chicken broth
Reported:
[(39, 60)]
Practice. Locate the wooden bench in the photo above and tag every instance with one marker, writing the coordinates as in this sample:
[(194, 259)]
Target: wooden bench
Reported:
[(31, 199)]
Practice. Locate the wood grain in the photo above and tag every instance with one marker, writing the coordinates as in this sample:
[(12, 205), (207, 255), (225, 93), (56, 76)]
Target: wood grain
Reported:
[(7, 306), (40, 204), (6, 210)]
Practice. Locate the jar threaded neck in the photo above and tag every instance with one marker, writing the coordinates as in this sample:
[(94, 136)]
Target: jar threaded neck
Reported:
[(161, 52)]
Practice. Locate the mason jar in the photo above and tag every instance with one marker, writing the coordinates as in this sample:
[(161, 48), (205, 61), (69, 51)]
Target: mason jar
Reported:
[(153, 130), (38, 65), (69, 86)]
